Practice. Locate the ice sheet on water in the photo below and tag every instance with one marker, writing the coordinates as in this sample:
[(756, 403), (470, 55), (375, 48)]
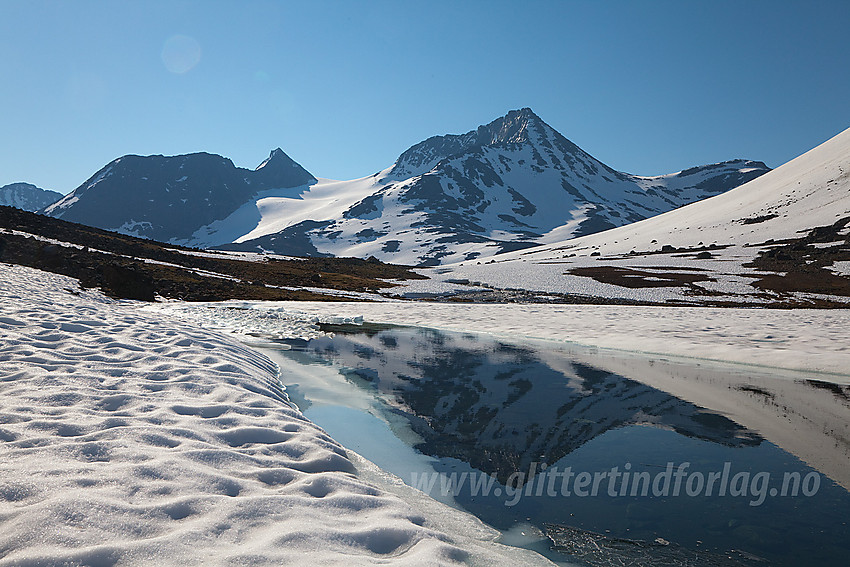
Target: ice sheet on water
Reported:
[(266, 320), (813, 339), (604, 551)]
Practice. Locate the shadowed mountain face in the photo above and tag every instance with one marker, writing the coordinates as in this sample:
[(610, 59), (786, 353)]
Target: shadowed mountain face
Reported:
[(168, 198), (27, 196), (511, 184), (501, 407)]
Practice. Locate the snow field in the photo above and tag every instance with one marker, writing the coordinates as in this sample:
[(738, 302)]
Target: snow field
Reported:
[(129, 438)]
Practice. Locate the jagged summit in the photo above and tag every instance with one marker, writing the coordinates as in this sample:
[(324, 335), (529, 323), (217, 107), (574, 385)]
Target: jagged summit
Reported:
[(275, 156), (280, 167), (517, 127), (422, 157), (170, 197), (512, 128)]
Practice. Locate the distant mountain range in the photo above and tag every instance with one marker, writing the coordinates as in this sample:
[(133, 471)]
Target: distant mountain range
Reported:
[(169, 198), (511, 184), (27, 196)]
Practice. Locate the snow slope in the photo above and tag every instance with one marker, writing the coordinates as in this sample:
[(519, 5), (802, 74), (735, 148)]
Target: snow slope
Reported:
[(127, 438), (274, 211), (810, 191), (510, 184)]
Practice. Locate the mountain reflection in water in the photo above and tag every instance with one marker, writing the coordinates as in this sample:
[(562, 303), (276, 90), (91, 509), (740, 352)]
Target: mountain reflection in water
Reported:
[(501, 407), (506, 408)]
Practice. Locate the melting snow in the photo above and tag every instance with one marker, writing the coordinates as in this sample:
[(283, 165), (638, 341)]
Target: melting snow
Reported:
[(130, 438), (811, 339), (841, 268)]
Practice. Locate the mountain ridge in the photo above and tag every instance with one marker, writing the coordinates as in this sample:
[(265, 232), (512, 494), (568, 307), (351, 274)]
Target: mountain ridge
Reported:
[(510, 184), (27, 197), (504, 186), (132, 194)]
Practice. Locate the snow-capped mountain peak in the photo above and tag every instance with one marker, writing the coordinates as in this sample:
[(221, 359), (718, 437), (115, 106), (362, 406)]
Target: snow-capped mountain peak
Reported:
[(513, 128), (513, 183), (516, 128), (27, 196), (779, 240)]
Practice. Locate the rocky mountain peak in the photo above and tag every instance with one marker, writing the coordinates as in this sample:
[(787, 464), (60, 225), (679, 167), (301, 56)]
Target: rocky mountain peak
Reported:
[(513, 128), (277, 155), (281, 170), (170, 197), (516, 127)]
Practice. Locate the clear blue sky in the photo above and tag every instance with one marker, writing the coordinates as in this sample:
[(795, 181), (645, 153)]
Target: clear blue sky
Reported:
[(648, 87)]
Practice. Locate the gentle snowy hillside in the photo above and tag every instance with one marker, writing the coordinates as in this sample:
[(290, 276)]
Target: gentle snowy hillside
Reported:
[(27, 196), (512, 184), (784, 237), (128, 438)]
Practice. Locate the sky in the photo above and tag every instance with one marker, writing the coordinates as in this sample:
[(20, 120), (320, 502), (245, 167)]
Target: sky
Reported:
[(343, 87)]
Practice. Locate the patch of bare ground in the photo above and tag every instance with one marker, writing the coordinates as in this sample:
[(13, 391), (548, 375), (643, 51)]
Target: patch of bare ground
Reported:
[(632, 278), (133, 268), (803, 264)]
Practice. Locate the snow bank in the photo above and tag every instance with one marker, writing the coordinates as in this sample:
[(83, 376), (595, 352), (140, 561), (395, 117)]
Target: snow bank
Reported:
[(802, 339), (128, 438), (841, 268)]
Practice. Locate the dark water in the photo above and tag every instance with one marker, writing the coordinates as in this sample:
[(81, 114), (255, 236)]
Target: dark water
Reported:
[(542, 435)]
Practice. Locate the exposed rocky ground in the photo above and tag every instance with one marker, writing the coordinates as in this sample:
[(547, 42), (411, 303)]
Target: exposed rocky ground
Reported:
[(805, 263), (134, 268)]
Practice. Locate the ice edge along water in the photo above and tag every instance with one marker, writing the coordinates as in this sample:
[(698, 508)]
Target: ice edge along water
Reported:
[(799, 340)]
